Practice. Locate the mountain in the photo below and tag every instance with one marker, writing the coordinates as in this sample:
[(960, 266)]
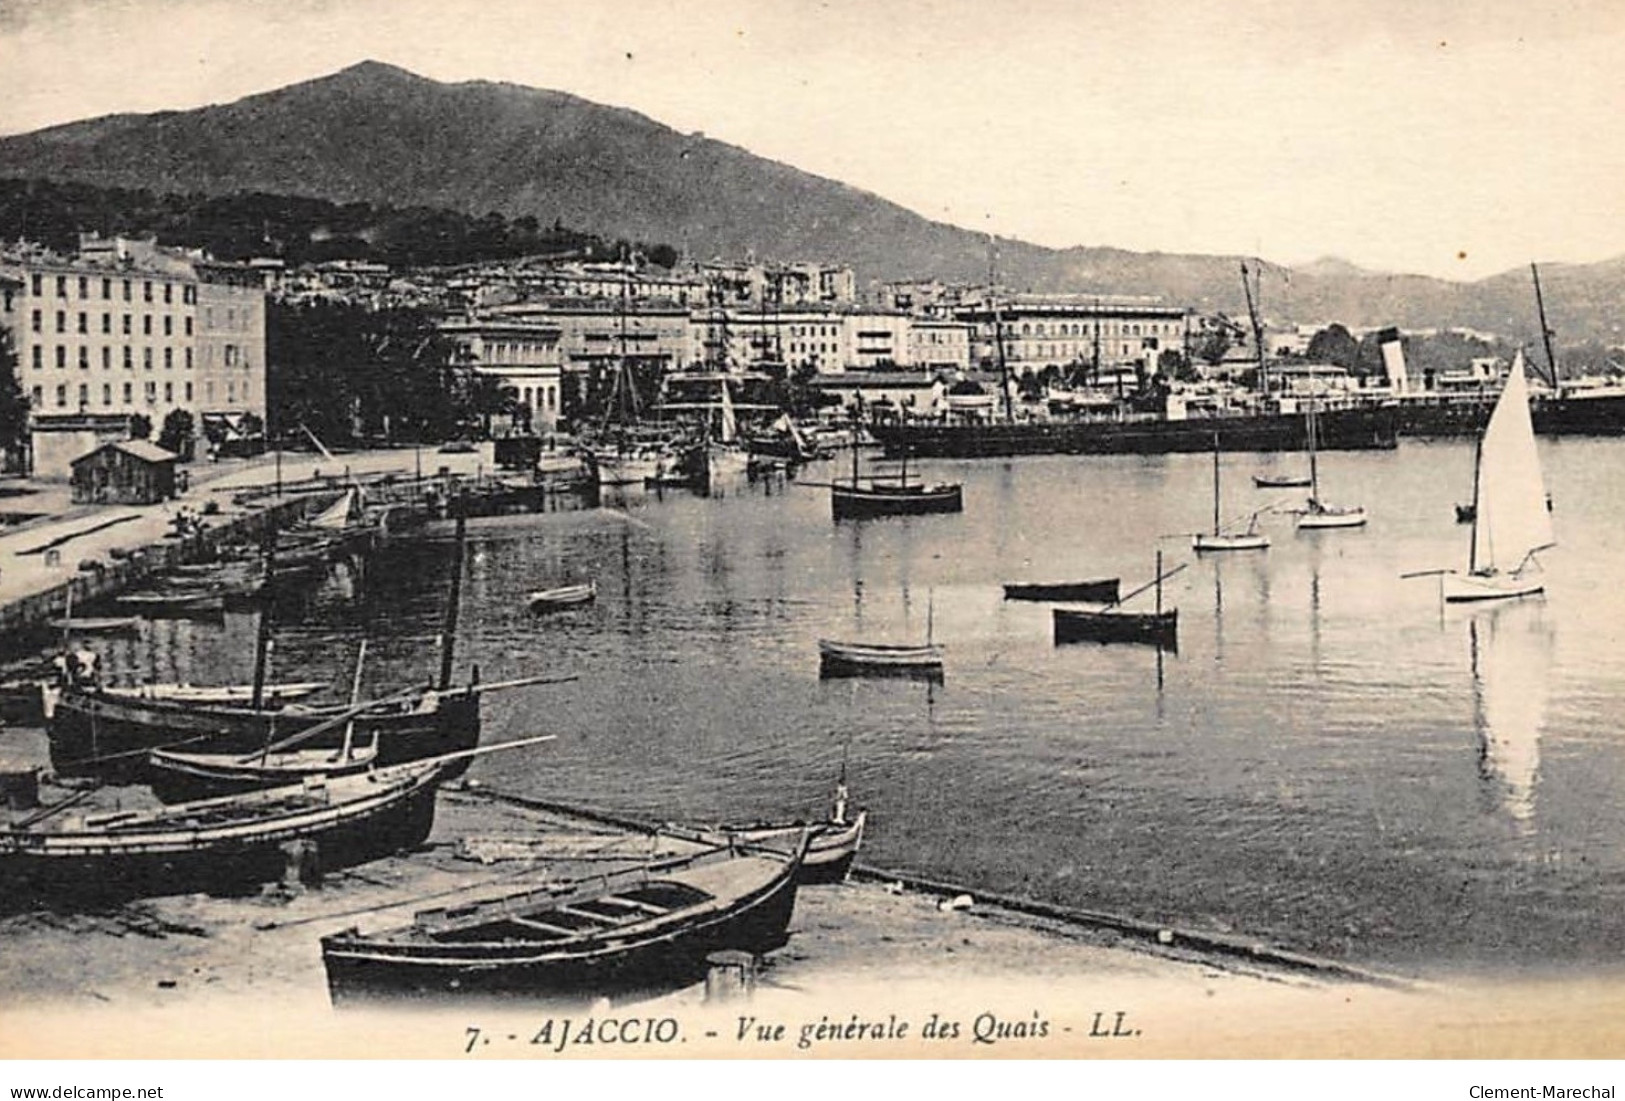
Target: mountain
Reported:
[(379, 134)]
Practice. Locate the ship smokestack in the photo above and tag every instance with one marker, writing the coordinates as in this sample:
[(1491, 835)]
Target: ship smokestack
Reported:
[(1393, 359)]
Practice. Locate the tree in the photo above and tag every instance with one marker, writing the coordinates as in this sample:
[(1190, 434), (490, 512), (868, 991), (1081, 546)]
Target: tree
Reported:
[(1335, 345), (176, 435), (140, 426), (1214, 345), (13, 403)]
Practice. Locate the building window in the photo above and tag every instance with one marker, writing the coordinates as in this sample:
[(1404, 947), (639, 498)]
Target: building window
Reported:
[(84, 358), (62, 287), (169, 393), (169, 325), (61, 396), (84, 395), (61, 357), (107, 323), (36, 397), (151, 392), (187, 323), (128, 365), (146, 290), (107, 358), (84, 287), (107, 393), (35, 286), (188, 391), (84, 322), (188, 359), (107, 289), (39, 357), (146, 359), (38, 321), (129, 394), (231, 355), (169, 358), (167, 289), (61, 321), (126, 290), (146, 324)]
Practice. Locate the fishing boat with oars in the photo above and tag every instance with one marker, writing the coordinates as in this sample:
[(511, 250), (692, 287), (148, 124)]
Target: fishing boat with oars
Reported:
[(1511, 521), (883, 659), (1113, 622), (644, 929), (96, 732), (1224, 537), (1101, 590)]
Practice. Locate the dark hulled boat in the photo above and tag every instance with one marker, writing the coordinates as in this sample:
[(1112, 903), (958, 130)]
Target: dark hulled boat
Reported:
[(1359, 428), (1117, 624), (1102, 590), (220, 844), (641, 930), (868, 500)]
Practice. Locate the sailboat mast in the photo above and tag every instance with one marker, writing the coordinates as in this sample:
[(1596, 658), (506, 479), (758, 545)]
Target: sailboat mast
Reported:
[(1159, 581), (1215, 484), (262, 633), (448, 640), (1314, 468), (998, 331), (1545, 330), (1478, 473)]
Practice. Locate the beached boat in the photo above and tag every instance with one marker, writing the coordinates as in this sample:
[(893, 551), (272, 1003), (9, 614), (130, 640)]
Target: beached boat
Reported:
[(219, 844), (563, 596), (1102, 590), (179, 777), (285, 692), (640, 930), (1511, 522), (97, 624)]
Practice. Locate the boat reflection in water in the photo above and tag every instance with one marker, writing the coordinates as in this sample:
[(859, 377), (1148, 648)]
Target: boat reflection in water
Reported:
[(1511, 661)]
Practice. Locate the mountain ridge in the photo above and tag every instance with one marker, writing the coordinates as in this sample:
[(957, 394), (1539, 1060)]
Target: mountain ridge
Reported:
[(376, 132)]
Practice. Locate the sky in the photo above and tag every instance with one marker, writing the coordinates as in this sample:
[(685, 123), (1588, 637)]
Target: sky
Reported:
[(1454, 138)]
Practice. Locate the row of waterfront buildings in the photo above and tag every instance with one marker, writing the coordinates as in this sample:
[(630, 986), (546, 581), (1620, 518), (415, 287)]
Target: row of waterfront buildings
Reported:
[(126, 327)]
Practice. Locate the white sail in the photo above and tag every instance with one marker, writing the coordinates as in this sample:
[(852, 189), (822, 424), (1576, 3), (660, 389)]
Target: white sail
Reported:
[(730, 425), (1512, 519), (336, 516)]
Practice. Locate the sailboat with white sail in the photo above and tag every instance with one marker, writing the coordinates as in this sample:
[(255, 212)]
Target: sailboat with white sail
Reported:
[(1511, 523), (1316, 513)]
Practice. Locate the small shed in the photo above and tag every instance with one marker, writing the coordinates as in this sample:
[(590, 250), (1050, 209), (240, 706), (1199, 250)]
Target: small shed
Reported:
[(127, 472)]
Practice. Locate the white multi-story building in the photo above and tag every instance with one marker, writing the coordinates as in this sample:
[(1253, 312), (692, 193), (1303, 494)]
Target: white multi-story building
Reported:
[(523, 354), (1040, 331), (127, 328)]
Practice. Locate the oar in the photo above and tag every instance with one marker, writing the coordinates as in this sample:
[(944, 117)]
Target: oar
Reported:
[(55, 808), (334, 721), (477, 751), (1153, 581), (1423, 573), (519, 682)]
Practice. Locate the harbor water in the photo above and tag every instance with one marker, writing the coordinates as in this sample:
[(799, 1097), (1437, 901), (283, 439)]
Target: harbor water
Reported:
[(1333, 761)]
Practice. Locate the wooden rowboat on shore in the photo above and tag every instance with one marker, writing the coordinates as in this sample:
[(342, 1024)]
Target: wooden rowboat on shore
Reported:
[(640, 930)]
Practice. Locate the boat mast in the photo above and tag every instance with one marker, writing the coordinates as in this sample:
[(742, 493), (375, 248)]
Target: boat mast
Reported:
[(1545, 330), (1478, 473), (1314, 469), (998, 332), (1159, 581), (262, 634), (1215, 483), (1258, 332), (448, 639)]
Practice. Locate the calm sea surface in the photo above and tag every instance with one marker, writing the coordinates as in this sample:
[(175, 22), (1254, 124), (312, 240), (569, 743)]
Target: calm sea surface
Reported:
[(1332, 761)]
